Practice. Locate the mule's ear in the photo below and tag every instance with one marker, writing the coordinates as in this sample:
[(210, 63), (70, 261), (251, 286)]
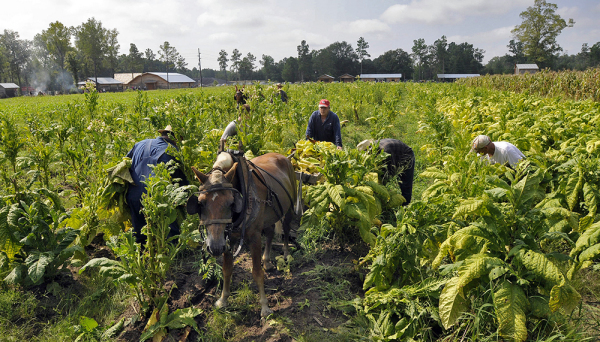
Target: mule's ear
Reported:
[(238, 204), (201, 177), (231, 173), (192, 206)]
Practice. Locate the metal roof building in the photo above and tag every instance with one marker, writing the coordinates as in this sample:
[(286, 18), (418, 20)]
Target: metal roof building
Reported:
[(8, 90), (161, 80), (381, 77), (521, 69), (104, 83), (454, 77)]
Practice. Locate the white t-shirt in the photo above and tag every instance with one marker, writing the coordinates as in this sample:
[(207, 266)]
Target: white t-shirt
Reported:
[(506, 153)]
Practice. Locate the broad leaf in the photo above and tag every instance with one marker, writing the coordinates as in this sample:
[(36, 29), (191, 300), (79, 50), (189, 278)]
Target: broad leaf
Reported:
[(511, 304), (37, 269), (564, 297), (452, 303)]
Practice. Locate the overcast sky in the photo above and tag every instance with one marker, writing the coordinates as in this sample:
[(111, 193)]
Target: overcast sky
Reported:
[(276, 28)]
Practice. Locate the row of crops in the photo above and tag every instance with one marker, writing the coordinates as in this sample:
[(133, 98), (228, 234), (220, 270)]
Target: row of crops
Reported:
[(482, 252)]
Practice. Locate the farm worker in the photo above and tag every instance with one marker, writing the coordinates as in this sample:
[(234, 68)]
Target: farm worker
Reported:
[(324, 125), (231, 128), (400, 163), (500, 152), (282, 93), (144, 153)]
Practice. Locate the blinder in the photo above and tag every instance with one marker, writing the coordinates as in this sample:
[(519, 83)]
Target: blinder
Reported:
[(237, 203)]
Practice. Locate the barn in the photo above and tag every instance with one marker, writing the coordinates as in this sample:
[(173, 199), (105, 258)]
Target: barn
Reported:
[(346, 78), (325, 78), (521, 69), (161, 80), (381, 77), (105, 84), (8, 90)]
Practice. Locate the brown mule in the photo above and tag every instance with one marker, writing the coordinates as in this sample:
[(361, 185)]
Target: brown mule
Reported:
[(241, 200)]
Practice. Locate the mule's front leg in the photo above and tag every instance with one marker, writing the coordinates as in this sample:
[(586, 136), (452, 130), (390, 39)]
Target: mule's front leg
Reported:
[(227, 272), (258, 275)]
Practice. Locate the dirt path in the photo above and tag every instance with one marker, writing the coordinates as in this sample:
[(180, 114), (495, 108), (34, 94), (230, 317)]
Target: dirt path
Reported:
[(302, 297)]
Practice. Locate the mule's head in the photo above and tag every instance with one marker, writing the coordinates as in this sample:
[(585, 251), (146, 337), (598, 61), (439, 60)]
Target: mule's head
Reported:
[(216, 203)]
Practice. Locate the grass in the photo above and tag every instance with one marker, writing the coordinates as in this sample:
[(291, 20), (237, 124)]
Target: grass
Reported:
[(20, 311)]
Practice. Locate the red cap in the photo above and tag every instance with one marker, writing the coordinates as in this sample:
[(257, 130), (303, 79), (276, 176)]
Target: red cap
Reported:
[(324, 103)]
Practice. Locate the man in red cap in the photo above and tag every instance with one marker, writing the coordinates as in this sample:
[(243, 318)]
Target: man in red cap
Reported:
[(324, 125)]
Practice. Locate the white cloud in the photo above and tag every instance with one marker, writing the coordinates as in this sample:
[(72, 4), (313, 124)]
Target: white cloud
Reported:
[(364, 26), (445, 11)]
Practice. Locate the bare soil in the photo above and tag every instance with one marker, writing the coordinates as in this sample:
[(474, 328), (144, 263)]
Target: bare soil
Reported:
[(300, 308)]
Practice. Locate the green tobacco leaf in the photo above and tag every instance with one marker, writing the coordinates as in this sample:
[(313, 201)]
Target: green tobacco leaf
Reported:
[(591, 198), (452, 303), (590, 237), (477, 266), (564, 297), (467, 207), (337, 193), (37, 269), (538, 264), (574, 187), (511, 304)]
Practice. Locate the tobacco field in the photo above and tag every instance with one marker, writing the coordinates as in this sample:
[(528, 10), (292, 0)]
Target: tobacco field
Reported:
[(482, 253)]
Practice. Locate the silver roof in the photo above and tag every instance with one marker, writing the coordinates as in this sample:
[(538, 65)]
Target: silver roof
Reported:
[(380, 75), (9, 86), (173, 77), (457, 75), (103, 80), (527, 66)]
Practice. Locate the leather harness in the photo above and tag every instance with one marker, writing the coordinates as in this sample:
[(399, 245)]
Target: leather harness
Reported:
[(244, 173)]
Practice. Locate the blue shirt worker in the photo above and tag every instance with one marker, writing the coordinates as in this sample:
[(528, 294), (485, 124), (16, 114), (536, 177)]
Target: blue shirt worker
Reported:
[(144, 153), (324, 125)]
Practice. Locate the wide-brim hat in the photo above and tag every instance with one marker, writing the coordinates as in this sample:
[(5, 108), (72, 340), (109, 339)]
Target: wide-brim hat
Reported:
[(167, 129)]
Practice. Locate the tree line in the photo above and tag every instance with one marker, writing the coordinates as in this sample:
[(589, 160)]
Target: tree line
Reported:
[(52, 62)]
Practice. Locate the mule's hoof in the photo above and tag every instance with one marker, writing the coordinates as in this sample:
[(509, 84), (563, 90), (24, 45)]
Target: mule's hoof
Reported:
[(268, 265), (265, 312), (221, 303)]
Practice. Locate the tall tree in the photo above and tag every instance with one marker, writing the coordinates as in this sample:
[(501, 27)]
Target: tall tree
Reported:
[(112, 49), (394, 62), (595, 54), (223, 62), (361, 51), (235, 61), (58, 42), (304, 61), (247, 66), (168, 55), (440, 54), (149, 60), (73, 65), (290, 70), (268, 67), (91, 41), (17, 53), (134, 59), (421, 56), (538, 32)]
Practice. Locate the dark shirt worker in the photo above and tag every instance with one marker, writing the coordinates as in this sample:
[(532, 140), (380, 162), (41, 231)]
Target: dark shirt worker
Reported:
[(400, 162), (144, 153), (324, 125)]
